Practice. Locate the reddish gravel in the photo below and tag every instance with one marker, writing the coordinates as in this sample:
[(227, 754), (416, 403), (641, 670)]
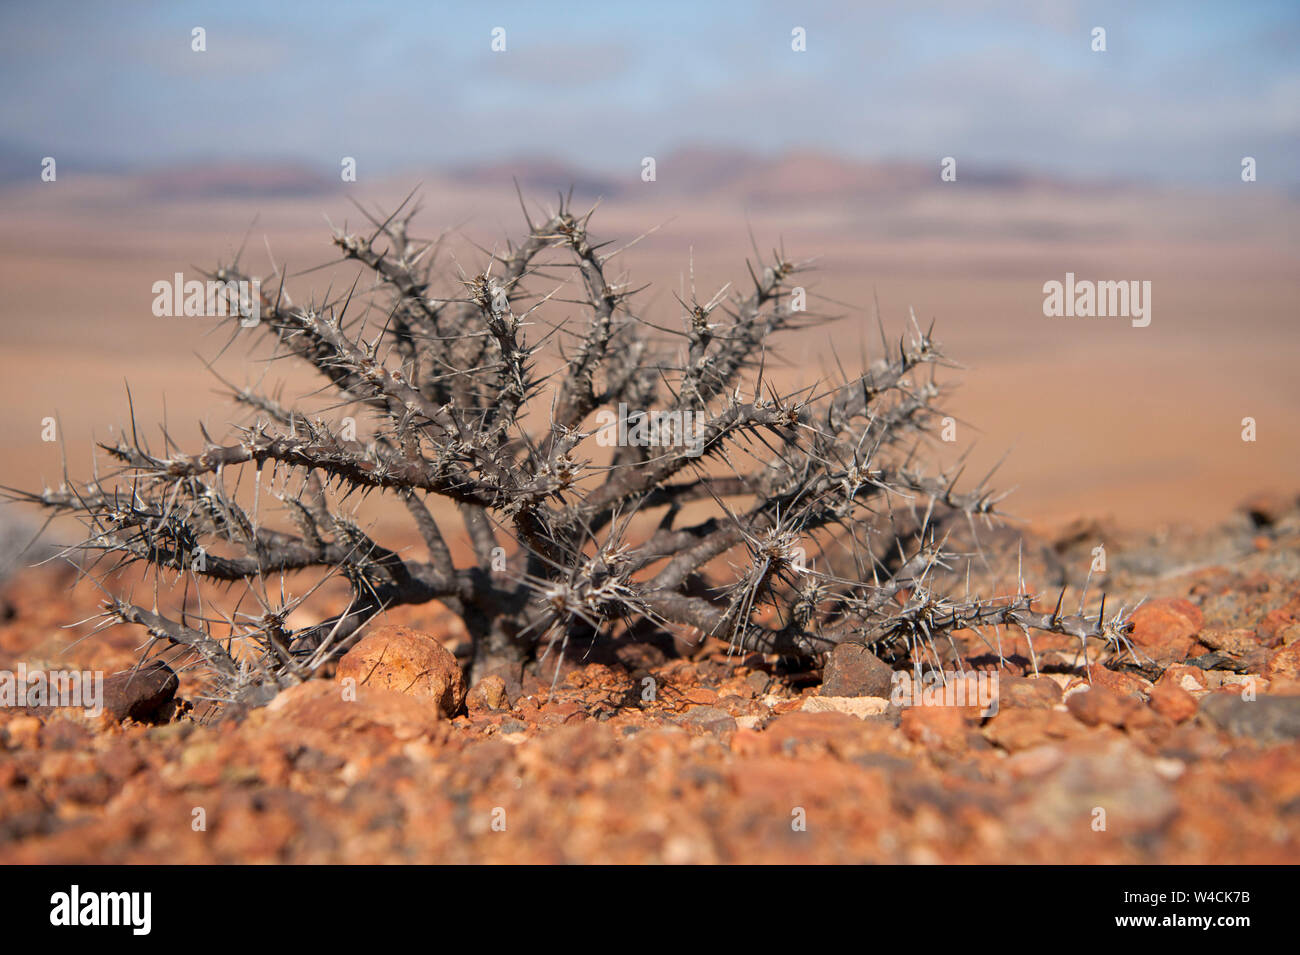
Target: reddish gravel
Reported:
[(641, 757)]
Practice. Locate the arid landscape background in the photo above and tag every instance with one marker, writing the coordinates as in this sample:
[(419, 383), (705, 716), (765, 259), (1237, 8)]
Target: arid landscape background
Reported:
[(1122, 163), (1099, 417)]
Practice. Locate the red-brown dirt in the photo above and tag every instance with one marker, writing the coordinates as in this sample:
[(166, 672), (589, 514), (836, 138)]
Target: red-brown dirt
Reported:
[(639, 756)]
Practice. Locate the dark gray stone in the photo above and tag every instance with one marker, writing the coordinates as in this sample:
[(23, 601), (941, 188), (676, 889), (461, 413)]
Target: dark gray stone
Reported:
[(711, 719), (1267, 719), (853, 670), (140, 694)]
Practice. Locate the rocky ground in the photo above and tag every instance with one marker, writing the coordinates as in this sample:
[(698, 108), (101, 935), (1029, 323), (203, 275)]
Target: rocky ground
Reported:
[(640, 754)]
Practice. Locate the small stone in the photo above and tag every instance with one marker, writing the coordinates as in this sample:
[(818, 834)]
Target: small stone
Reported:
[(1038, 760), (1237, 642), (406, 661), (23, 732), (560, 713), (700, 696), (710, 719), (1188, 678), (140, 694), (934, 725), (1062, 680), (1124, 684), (1168, 768), (859, 706), (488, 693), (1284, 664), (1096, 706), (322, 705), (1016, 728), (853, 670), (1173, 702), (1036, 693), (1276, 621), (1169, 619)]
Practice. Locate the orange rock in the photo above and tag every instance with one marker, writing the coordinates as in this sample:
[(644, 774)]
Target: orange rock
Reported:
[(558, 713), (1038, 761), (1239, 642), (1037, 693), (1276, 621), (1096, 706), (23, 731), (747, 742), (1188, 678), (1017, 728), (319, 704), (1284, 664), (700, 696), (407, 661), (1157, 622), (488, 693), (1124, 684), (818, 733), (1172, 701), (934, 725), (710, 719)]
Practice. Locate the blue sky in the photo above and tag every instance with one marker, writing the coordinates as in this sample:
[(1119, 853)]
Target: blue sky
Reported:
[(1184, 91)]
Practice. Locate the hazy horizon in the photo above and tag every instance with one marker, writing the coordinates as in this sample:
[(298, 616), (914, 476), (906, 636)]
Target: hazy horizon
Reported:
[(1181, 94)]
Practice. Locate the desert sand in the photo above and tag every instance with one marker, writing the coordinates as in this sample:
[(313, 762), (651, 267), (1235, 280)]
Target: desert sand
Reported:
[(1095, 417)]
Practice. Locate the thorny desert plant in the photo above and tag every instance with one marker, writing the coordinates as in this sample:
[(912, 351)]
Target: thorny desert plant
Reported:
[(481, 402)]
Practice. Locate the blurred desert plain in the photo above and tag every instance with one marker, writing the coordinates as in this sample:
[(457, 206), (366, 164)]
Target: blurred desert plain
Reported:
[(1100, 417)]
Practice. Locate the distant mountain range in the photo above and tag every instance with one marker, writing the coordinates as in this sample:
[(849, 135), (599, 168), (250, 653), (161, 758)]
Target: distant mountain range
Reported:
[(712, 171), (791, 176)]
